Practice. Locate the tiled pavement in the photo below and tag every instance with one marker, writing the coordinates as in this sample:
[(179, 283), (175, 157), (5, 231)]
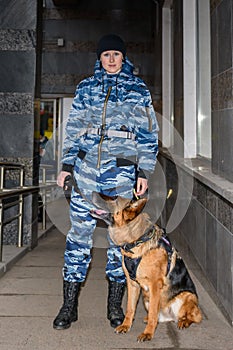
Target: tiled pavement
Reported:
[(31, 295)]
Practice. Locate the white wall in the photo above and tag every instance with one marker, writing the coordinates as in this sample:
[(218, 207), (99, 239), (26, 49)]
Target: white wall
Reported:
[(64, 109)]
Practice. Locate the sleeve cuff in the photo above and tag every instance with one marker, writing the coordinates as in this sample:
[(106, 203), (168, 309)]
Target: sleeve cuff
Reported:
[(143, 174), (67, 167)]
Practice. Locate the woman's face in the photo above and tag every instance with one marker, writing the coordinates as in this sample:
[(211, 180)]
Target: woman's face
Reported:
[(111, 61)]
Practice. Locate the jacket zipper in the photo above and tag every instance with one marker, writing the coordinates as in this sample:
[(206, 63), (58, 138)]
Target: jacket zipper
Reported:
[(103, 125)]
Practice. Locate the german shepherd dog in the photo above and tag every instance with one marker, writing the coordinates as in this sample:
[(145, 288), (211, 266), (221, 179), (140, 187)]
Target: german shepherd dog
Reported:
[(151, 264)]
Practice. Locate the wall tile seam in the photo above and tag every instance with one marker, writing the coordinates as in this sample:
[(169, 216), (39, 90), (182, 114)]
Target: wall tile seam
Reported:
[(71, 47), (223, 109), (213, 216), (51, 79), (68, 14), (223, 72), (16, 49), (15, 113)]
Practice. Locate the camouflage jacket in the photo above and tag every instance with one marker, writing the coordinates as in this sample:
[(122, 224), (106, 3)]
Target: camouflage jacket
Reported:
[(116, 102)]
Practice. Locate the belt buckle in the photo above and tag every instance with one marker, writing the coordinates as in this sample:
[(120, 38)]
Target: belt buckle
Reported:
[(129, 135), (101, 132)]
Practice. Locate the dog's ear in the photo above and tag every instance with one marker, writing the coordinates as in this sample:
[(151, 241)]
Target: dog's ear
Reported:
[(138, 205), (101, 201), (134, 208)]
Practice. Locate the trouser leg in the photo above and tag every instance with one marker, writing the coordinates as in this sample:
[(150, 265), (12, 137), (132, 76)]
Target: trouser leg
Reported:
[(77, 259), (79, 240), (114, 269), (117, 181), (123, 181)]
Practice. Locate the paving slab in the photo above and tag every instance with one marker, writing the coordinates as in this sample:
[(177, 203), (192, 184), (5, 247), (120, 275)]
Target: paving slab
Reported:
[(31, 295)]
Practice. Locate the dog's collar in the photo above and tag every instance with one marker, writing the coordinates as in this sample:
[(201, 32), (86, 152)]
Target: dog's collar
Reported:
[(163, 241), (150, 232)]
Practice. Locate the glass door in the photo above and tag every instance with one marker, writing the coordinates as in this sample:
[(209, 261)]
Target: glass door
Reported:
[(48, 134)]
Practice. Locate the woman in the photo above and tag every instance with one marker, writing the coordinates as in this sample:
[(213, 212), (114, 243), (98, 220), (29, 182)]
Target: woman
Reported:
[(110, 147)]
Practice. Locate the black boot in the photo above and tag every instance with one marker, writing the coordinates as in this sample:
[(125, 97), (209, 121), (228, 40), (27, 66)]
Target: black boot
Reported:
[(115, 295), (68, 313)]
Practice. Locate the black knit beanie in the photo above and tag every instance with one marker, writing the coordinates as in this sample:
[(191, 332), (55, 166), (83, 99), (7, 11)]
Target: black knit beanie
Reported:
[(111, 42)]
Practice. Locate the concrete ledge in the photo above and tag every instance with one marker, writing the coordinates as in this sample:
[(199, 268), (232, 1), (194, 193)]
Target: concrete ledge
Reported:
[(201, 170), (12, 254)]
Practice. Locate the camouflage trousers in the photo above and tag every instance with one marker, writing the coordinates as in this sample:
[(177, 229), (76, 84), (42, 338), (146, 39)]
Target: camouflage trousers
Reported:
[(109, 180)]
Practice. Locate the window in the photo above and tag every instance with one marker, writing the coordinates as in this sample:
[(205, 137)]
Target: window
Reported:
[(195, 125), (203, 80)]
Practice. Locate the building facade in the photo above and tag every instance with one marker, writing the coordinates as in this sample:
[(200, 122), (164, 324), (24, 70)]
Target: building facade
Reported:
[(183, 51)]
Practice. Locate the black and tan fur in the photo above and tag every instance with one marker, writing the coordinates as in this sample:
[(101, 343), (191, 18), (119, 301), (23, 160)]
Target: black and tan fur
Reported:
[(168, 291)]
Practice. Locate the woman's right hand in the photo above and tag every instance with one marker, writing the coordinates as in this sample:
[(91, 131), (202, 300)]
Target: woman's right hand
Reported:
[(61, 178)]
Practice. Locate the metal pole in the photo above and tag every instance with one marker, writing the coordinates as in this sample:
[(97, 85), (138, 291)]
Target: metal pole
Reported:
[(44, 209), (44, 200), (1, 177), (21, 177), (20, 222), (1, 228), (44, 176)]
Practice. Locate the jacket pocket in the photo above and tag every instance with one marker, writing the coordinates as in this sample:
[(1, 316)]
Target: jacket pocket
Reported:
[(126, 161)]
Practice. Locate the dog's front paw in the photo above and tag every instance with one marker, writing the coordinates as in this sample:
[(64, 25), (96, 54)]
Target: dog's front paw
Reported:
[(183, 323), (144, 337), (122, 329)]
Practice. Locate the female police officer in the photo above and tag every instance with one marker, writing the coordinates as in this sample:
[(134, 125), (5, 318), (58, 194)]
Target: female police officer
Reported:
[(110, 147)]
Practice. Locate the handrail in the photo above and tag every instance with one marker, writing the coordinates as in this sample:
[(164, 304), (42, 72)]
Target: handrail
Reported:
[(12, 192), (10, 165), (21, 192)]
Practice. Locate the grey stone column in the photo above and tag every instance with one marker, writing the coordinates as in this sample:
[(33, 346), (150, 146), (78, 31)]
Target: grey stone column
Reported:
[(18, 53)]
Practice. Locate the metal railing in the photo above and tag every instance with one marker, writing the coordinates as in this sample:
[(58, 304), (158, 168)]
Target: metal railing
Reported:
[(9, 193), (18, 193)]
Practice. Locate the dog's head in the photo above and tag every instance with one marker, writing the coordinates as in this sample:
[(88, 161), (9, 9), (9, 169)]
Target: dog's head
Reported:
[(116, 211)]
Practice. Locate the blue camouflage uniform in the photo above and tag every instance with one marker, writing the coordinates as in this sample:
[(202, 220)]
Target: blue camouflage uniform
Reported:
[(111, 139)]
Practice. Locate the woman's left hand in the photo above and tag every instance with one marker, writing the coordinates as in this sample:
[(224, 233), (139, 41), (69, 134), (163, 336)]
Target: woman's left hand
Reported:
[(142, 186)]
